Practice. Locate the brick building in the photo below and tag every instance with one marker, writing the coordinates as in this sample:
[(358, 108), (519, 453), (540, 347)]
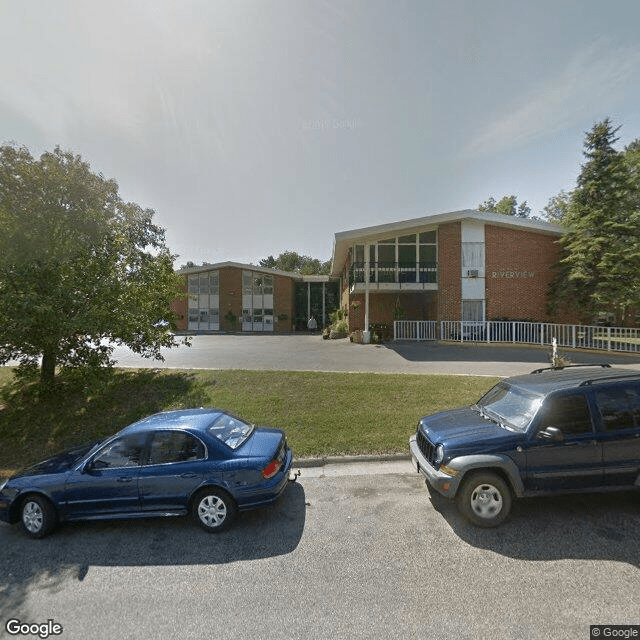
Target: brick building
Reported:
[(463, 265), (230, 296)]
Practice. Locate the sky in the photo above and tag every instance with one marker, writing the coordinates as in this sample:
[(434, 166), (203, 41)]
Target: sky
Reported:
[(253, 127)]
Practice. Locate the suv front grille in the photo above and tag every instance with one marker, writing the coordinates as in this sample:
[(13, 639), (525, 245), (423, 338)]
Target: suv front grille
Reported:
[(427, 449)]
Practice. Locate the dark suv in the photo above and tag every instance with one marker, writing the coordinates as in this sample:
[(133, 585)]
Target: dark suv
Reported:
[(557, 430)]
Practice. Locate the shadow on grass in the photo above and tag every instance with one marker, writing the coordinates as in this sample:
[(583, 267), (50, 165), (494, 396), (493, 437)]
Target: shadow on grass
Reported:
[(34, 425), (69, 554)]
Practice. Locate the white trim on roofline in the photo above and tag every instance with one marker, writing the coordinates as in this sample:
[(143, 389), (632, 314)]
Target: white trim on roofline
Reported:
[(238, 265), (344, 239)]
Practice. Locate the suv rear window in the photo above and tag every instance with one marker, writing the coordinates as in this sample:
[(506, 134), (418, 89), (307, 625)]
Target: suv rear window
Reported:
[(619, 407)]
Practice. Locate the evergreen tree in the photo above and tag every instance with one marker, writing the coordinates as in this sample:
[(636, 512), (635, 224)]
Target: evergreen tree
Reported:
[(598, 271)]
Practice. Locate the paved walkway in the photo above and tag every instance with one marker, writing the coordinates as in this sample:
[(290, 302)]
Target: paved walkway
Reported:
[(302, 352)]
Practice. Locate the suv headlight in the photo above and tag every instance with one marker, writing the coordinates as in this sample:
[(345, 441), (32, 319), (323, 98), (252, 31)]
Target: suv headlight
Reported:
[(439, 454), (2, 484)]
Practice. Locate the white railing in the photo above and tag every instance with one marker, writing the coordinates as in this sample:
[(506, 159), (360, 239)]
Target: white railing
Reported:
[(542, 333), (415, 330)]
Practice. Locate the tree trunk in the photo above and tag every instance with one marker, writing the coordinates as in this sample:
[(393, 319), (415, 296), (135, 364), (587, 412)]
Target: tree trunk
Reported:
[(48, 368)]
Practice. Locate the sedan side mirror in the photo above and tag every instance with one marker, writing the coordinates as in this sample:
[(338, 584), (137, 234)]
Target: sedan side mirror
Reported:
[(551, 433)]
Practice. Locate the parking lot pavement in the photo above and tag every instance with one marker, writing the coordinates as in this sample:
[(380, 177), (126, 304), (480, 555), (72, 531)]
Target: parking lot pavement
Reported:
[(342, 557), (358, 468), (301, 352)]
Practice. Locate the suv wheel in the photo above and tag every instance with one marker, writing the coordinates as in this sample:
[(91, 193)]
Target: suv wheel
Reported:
[(485, 499)]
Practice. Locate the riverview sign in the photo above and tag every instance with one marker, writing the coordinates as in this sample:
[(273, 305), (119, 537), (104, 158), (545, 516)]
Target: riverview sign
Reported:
[(513, 274)]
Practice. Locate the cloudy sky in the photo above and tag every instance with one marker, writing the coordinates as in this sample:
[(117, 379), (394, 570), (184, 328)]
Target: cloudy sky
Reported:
[(252, 127)]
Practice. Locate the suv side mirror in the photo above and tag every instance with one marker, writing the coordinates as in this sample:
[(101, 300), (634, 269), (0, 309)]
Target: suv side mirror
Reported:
[(551, 433)]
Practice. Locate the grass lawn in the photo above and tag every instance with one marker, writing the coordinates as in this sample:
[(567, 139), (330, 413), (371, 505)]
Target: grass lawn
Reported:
[(321, 413)]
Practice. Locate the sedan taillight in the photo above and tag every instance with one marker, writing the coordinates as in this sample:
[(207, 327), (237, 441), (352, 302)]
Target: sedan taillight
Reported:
[(271, 469)]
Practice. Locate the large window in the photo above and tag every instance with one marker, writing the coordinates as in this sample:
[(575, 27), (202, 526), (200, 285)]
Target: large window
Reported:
[(204, 301), (257, 301), (408, 258)]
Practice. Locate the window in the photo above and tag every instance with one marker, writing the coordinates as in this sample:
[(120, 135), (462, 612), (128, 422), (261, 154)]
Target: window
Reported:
[(428, 237), (619, 407), (473, 255), (123, 452), (473, 310), (230, 430), (511, 405), (569, 413), (175, 446)]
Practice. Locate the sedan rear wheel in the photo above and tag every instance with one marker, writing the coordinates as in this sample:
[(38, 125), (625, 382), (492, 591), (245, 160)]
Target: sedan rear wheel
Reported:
[(38, 516), (214, 509)]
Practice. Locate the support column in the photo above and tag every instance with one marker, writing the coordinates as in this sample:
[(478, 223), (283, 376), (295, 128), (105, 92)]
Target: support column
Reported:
[(366, 334)]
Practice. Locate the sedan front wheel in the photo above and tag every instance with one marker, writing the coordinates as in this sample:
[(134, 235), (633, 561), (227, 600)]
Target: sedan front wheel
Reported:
[(214, 510), (38, 516)]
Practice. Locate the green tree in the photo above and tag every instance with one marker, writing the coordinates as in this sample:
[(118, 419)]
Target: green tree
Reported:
[(557, 207), (80, 269), (598, 271), (293, 262), (507, 205)]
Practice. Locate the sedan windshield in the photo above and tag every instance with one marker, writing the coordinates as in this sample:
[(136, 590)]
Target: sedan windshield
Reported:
[(510, 406), (231, 430)]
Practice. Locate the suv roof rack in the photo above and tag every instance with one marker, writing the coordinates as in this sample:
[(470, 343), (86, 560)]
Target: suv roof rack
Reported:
[(622, 376), (604, 365)]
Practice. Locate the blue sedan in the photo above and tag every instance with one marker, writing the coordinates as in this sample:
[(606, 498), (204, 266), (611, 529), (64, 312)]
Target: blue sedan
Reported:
[(203, 462)]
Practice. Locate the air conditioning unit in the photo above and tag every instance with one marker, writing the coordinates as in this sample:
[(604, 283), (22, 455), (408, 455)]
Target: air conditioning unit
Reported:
[(472, 273)]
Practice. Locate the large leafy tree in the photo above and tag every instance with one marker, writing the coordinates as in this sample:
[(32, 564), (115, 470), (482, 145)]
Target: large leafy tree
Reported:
[(80, 269), (599, 268), (507, 205), (557, 207), (292, 261)]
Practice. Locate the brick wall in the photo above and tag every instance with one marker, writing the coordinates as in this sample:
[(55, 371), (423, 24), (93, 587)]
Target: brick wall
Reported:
[(449, 271), (283, 303), (518, 273), (416, 306), (230, 297)]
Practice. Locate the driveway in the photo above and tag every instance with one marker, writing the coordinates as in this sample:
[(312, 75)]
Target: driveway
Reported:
[(312, 353)]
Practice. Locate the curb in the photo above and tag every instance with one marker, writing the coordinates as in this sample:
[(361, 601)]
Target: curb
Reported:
[(325, 460)]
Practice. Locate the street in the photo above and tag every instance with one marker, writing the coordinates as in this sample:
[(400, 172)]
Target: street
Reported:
[(348, 552)]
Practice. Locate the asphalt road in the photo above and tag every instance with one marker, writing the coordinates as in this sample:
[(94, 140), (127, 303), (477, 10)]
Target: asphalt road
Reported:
[(303, 352), (339, 556)]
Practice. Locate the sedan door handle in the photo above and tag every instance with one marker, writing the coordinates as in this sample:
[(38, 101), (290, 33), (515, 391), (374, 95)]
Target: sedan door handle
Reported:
[(124, 479), (188, 475)]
